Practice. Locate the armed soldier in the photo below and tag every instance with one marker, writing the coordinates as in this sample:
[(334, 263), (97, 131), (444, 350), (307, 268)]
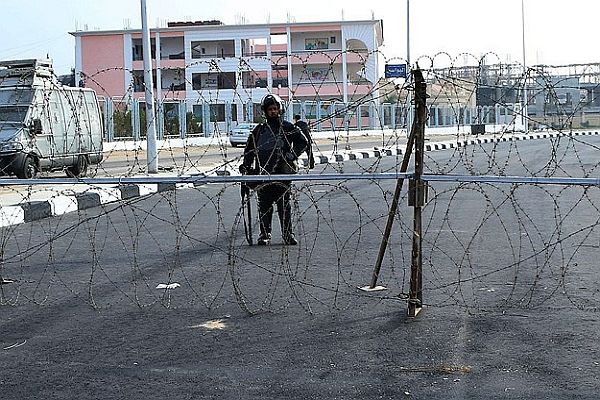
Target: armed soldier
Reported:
[(273, 147)]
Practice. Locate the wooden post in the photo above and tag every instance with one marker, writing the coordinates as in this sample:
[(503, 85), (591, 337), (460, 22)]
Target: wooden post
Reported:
[(417, 197)]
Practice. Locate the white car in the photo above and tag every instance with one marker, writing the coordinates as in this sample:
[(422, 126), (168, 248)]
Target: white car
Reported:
[(239, 134)]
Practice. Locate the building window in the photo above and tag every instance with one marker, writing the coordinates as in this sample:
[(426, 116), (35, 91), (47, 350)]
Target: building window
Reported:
[(198, 112), (332, 40), (213, 49), (138, 81), (317, 74), (254, 79), (218, 112), (280, 82), (138, 49), (316, 44), (211, 81), (204, 81), (139, 84)]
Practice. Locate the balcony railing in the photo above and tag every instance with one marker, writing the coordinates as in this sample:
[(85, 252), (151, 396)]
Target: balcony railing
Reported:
[(174, 87), (262, 83), (178, 56), (359, 82), (264, 53), (223, 54), (356, 82)]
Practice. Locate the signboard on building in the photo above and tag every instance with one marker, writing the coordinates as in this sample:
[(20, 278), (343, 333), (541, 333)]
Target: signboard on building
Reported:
[(395, 70)]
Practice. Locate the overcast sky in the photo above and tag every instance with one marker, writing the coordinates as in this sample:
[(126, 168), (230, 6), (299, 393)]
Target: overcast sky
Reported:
[(556, 32)]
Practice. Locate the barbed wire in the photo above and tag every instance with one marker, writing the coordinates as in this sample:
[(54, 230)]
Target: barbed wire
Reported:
[(487, 246)]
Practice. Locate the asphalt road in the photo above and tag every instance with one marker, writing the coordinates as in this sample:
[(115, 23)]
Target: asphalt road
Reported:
[(510, 292)]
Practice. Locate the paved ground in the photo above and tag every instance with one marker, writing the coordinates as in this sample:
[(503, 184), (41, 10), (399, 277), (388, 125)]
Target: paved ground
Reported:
[(373, 352)]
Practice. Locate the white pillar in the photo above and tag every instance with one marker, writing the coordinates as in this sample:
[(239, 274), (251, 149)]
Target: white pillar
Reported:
[(270, 69), (78, 60), (344, 68), (288, 33), (128, 63), (376, 56), (159, 99)]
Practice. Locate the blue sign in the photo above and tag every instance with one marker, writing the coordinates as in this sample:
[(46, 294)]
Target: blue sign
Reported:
[(395, 70)]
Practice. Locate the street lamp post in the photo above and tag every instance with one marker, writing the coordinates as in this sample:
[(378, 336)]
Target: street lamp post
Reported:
[(151, 150)]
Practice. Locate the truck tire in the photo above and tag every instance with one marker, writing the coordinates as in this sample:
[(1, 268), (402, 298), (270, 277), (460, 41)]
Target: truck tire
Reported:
[(79, 170), (28, 169)]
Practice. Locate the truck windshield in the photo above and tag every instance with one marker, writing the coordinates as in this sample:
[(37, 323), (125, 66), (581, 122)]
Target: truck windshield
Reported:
[(14, 103), (15, 96), (13, 113)]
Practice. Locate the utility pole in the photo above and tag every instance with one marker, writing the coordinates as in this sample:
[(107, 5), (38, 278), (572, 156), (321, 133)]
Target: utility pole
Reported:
[(151, 150)]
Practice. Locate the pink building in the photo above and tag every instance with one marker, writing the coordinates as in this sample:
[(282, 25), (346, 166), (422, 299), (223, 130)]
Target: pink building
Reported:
[(231, 66)]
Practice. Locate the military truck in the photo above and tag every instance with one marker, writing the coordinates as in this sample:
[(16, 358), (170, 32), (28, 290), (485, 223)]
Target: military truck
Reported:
[(45, 126)]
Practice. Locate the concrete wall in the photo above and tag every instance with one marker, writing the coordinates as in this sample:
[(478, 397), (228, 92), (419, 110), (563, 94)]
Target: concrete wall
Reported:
[(102, 64)]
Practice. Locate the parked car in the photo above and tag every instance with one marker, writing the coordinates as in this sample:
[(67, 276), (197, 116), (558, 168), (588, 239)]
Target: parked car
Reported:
[(239, 134)]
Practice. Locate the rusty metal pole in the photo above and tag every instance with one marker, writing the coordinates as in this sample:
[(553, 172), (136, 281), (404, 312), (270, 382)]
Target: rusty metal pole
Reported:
[(415, 297)]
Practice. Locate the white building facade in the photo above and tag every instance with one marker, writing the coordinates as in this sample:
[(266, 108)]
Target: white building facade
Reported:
[(220, 72)]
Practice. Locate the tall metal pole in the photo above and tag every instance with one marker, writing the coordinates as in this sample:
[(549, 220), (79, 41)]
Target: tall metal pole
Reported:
[(408, 67), (151, 151), (408, 33), (525, 101)]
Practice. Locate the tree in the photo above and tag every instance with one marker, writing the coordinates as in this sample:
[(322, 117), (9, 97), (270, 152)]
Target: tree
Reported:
[(122, 123)]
